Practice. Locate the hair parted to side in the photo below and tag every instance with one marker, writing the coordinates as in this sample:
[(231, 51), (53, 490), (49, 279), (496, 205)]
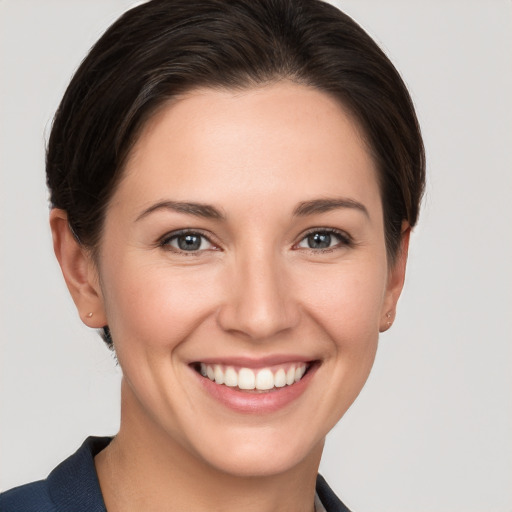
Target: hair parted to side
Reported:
[(164, 48)]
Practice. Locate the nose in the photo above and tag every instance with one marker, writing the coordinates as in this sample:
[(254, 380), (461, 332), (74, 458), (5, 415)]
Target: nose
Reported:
[(259, 300)]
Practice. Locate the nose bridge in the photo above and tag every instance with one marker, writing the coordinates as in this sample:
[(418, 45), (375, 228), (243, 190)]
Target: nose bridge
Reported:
[(260, 303)]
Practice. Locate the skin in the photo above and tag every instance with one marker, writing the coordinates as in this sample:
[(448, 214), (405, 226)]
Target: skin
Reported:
[(254, 289)]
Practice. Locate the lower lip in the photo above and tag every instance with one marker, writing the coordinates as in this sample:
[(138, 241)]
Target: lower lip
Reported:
[(254, 402)]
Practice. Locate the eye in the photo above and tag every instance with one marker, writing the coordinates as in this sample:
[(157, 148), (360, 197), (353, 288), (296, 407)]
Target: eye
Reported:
[(324, 239), (186, 241)]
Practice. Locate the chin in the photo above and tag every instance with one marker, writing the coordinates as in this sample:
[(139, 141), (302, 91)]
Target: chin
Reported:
[(261, 454)]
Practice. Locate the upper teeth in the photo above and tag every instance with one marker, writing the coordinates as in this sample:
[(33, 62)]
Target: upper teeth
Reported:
[(245, 378)]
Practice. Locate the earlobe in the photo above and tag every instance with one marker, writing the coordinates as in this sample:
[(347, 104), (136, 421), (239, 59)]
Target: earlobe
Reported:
[(79, 271), (396, 279)]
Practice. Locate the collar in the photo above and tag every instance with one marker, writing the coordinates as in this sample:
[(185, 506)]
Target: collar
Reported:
[(73, 484)]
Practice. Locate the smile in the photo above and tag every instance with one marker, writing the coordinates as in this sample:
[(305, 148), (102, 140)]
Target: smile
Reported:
[(247, 379), (256, 387)]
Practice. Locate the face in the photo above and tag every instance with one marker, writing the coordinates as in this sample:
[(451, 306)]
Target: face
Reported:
[(243, 274)]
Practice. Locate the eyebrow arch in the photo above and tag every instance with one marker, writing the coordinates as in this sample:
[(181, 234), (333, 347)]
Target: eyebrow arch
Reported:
[(325, 205), (206, 211)]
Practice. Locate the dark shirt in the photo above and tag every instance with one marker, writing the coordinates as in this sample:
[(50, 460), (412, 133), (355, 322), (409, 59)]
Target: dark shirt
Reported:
[(73, 487)]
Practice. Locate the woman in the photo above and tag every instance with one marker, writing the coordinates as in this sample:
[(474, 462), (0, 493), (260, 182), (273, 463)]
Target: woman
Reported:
[(233, 186)]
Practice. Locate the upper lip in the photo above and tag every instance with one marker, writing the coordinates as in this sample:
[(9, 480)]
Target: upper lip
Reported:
[(253, 362)]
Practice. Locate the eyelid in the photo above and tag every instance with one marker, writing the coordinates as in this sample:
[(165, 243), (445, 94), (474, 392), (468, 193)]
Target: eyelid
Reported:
[(345, 239), (165, 239)]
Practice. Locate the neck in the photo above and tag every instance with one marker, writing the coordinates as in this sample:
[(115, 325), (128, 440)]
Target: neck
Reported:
[(145, 468)]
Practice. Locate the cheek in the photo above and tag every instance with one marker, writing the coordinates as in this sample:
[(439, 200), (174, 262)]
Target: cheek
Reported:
[(156, 306), (343, 303), (347, 302)]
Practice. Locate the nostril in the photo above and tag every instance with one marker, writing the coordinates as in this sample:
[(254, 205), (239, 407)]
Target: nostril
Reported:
[(256, 321)]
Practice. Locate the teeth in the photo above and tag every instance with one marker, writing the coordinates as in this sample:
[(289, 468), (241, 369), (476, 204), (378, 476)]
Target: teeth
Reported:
[(264, 379), (218, 374), (231, 378), (247, 379), (280, 378), (299, 372)]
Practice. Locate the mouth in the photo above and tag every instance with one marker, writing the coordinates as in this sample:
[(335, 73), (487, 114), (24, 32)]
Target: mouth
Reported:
[(255, 380), (253, 386)]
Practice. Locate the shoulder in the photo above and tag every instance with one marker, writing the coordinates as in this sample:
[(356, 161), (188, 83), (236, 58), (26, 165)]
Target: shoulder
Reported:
[(71, 487), (33, 497)]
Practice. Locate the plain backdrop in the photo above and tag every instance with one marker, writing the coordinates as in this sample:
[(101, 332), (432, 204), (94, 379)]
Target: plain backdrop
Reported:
[(432, 430)]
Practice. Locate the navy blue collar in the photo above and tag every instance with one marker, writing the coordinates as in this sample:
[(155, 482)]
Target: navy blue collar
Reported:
[(73, 484)]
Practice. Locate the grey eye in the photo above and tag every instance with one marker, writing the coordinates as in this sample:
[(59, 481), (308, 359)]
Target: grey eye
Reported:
[(188, 242), (323, 240), (319, 240)]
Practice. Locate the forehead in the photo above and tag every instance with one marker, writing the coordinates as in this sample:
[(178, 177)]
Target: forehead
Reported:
[(282, 140)]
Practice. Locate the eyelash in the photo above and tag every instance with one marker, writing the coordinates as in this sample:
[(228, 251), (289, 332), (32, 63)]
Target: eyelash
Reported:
[(167, 239), (344, 240)]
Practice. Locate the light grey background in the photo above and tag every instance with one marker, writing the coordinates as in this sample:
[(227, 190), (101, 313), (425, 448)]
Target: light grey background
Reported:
[(432, 430)]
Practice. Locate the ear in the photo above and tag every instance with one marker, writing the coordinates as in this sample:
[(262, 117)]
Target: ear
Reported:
[(79, 271), (396, 278)]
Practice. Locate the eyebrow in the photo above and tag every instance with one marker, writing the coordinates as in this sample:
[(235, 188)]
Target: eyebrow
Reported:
[(208, 211), (325, 205), (205, 211)]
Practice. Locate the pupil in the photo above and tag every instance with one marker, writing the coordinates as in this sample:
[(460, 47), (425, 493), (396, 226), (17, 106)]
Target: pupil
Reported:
[(189, 242), (319, 240)]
